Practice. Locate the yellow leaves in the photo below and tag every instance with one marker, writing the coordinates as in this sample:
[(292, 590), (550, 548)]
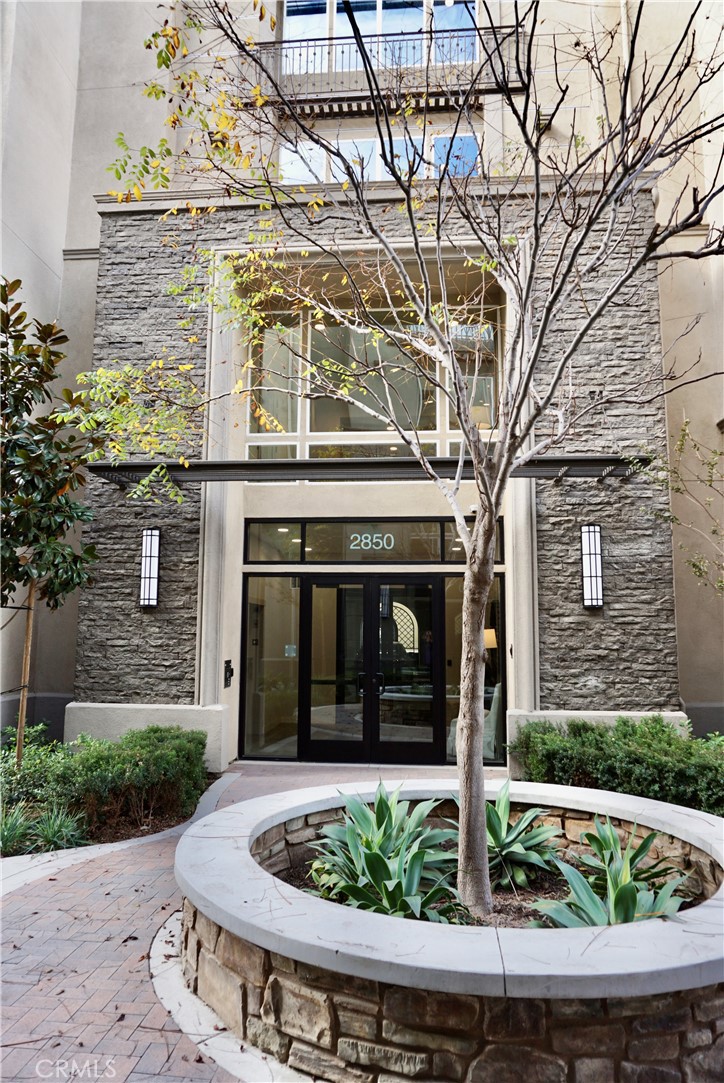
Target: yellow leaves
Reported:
[(246, 162), (257, 97), (345, 185), (155, 163), (273, 22), (345, 280), (183, 461), (137, 193), (192, 338)]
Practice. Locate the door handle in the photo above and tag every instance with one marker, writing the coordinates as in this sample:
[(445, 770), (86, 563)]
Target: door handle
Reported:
[(380, 682), (360, 689)]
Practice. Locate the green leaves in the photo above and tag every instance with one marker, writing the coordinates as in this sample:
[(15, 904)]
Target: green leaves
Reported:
[(623, 902), (387, 860), (648, 757), (42, 463), (515, 850), (607, 857)]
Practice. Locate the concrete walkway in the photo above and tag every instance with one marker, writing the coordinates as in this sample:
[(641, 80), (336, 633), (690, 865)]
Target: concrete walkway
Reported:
[(76, 933)]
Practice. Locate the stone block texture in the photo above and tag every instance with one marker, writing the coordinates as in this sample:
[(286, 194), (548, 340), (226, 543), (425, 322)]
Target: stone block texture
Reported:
[(309, 1019), (623, 656), (346, 1029)]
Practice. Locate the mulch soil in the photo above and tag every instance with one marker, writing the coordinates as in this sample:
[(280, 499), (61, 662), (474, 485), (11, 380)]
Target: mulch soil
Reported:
[(511, 910), (129, 828)]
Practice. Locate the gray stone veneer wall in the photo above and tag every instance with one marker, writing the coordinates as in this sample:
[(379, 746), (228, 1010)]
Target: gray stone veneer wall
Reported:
[(621, 657), (126, 653), (129, 654)]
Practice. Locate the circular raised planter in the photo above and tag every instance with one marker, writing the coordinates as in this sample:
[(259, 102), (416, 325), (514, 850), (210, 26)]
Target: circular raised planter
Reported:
[(331, 989)]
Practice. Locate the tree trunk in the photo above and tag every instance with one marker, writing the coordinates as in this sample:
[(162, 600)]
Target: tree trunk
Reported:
[(25, 677), (473, 872)]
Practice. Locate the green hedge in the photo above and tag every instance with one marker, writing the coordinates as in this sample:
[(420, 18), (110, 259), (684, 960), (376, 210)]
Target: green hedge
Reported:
[(649, 758), (157, 771)]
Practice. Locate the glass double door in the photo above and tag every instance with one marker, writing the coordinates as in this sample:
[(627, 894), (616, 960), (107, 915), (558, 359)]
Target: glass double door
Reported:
[(371, 685)]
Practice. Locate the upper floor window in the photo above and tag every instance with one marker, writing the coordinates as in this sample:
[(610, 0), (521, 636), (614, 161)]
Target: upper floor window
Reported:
[(386, 379), (327, 18), (458, 155)]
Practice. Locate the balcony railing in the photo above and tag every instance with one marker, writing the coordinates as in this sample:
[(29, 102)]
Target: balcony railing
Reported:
[(326, 76)]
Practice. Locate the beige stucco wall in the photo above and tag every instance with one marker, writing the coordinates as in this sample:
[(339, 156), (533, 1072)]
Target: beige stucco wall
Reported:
[(111, 720), (72, 78)]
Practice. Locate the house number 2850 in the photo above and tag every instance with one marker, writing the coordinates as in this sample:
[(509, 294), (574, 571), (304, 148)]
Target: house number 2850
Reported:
[(372, 541)]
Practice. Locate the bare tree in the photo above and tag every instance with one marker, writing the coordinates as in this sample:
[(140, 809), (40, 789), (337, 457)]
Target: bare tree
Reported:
[(470, 268)]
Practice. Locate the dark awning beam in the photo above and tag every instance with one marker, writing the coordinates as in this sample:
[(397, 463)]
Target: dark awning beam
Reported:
[(542, 468)]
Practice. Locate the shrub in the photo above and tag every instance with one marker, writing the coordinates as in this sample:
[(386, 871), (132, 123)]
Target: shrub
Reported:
[(649, 758), (155, 771), (33, 781)]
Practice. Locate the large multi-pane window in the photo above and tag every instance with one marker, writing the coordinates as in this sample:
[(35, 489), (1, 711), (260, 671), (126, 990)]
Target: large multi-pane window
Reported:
[(300, 361)]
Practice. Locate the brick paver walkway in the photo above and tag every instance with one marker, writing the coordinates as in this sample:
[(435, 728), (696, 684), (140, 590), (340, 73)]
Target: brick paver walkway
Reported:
[(77, 995)]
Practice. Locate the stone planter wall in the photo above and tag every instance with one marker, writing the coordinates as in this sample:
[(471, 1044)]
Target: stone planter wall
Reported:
[(354, 1030), (352, 997), (286, 845)]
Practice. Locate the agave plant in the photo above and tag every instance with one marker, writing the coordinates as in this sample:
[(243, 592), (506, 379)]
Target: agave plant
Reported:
[(516, 850), (624, 901), (608, 856), (388, 860)]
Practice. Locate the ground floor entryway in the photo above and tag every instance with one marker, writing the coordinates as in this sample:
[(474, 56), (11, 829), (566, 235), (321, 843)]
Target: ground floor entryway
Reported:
[(362, 668)]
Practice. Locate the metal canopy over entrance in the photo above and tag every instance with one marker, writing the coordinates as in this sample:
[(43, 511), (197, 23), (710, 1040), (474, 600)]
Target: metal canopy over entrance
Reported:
[(542, 467)]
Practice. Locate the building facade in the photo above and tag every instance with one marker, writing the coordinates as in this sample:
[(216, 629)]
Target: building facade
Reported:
[(321, 619)]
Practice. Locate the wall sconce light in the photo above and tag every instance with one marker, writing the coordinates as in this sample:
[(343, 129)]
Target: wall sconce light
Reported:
[(490, 639), (150, 548), (591, 567)]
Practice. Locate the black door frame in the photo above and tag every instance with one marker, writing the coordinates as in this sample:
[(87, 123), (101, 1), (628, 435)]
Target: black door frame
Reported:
[(371, 748)]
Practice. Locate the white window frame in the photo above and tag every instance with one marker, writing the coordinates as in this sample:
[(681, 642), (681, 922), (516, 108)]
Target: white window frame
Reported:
[(444, 438), (324, 169)]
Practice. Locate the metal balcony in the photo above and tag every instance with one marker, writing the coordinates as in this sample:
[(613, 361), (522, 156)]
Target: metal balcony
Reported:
[(326, 77)]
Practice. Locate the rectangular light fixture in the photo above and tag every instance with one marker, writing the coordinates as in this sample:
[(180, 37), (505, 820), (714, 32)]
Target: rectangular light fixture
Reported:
[(591, 567), (149, 566)]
